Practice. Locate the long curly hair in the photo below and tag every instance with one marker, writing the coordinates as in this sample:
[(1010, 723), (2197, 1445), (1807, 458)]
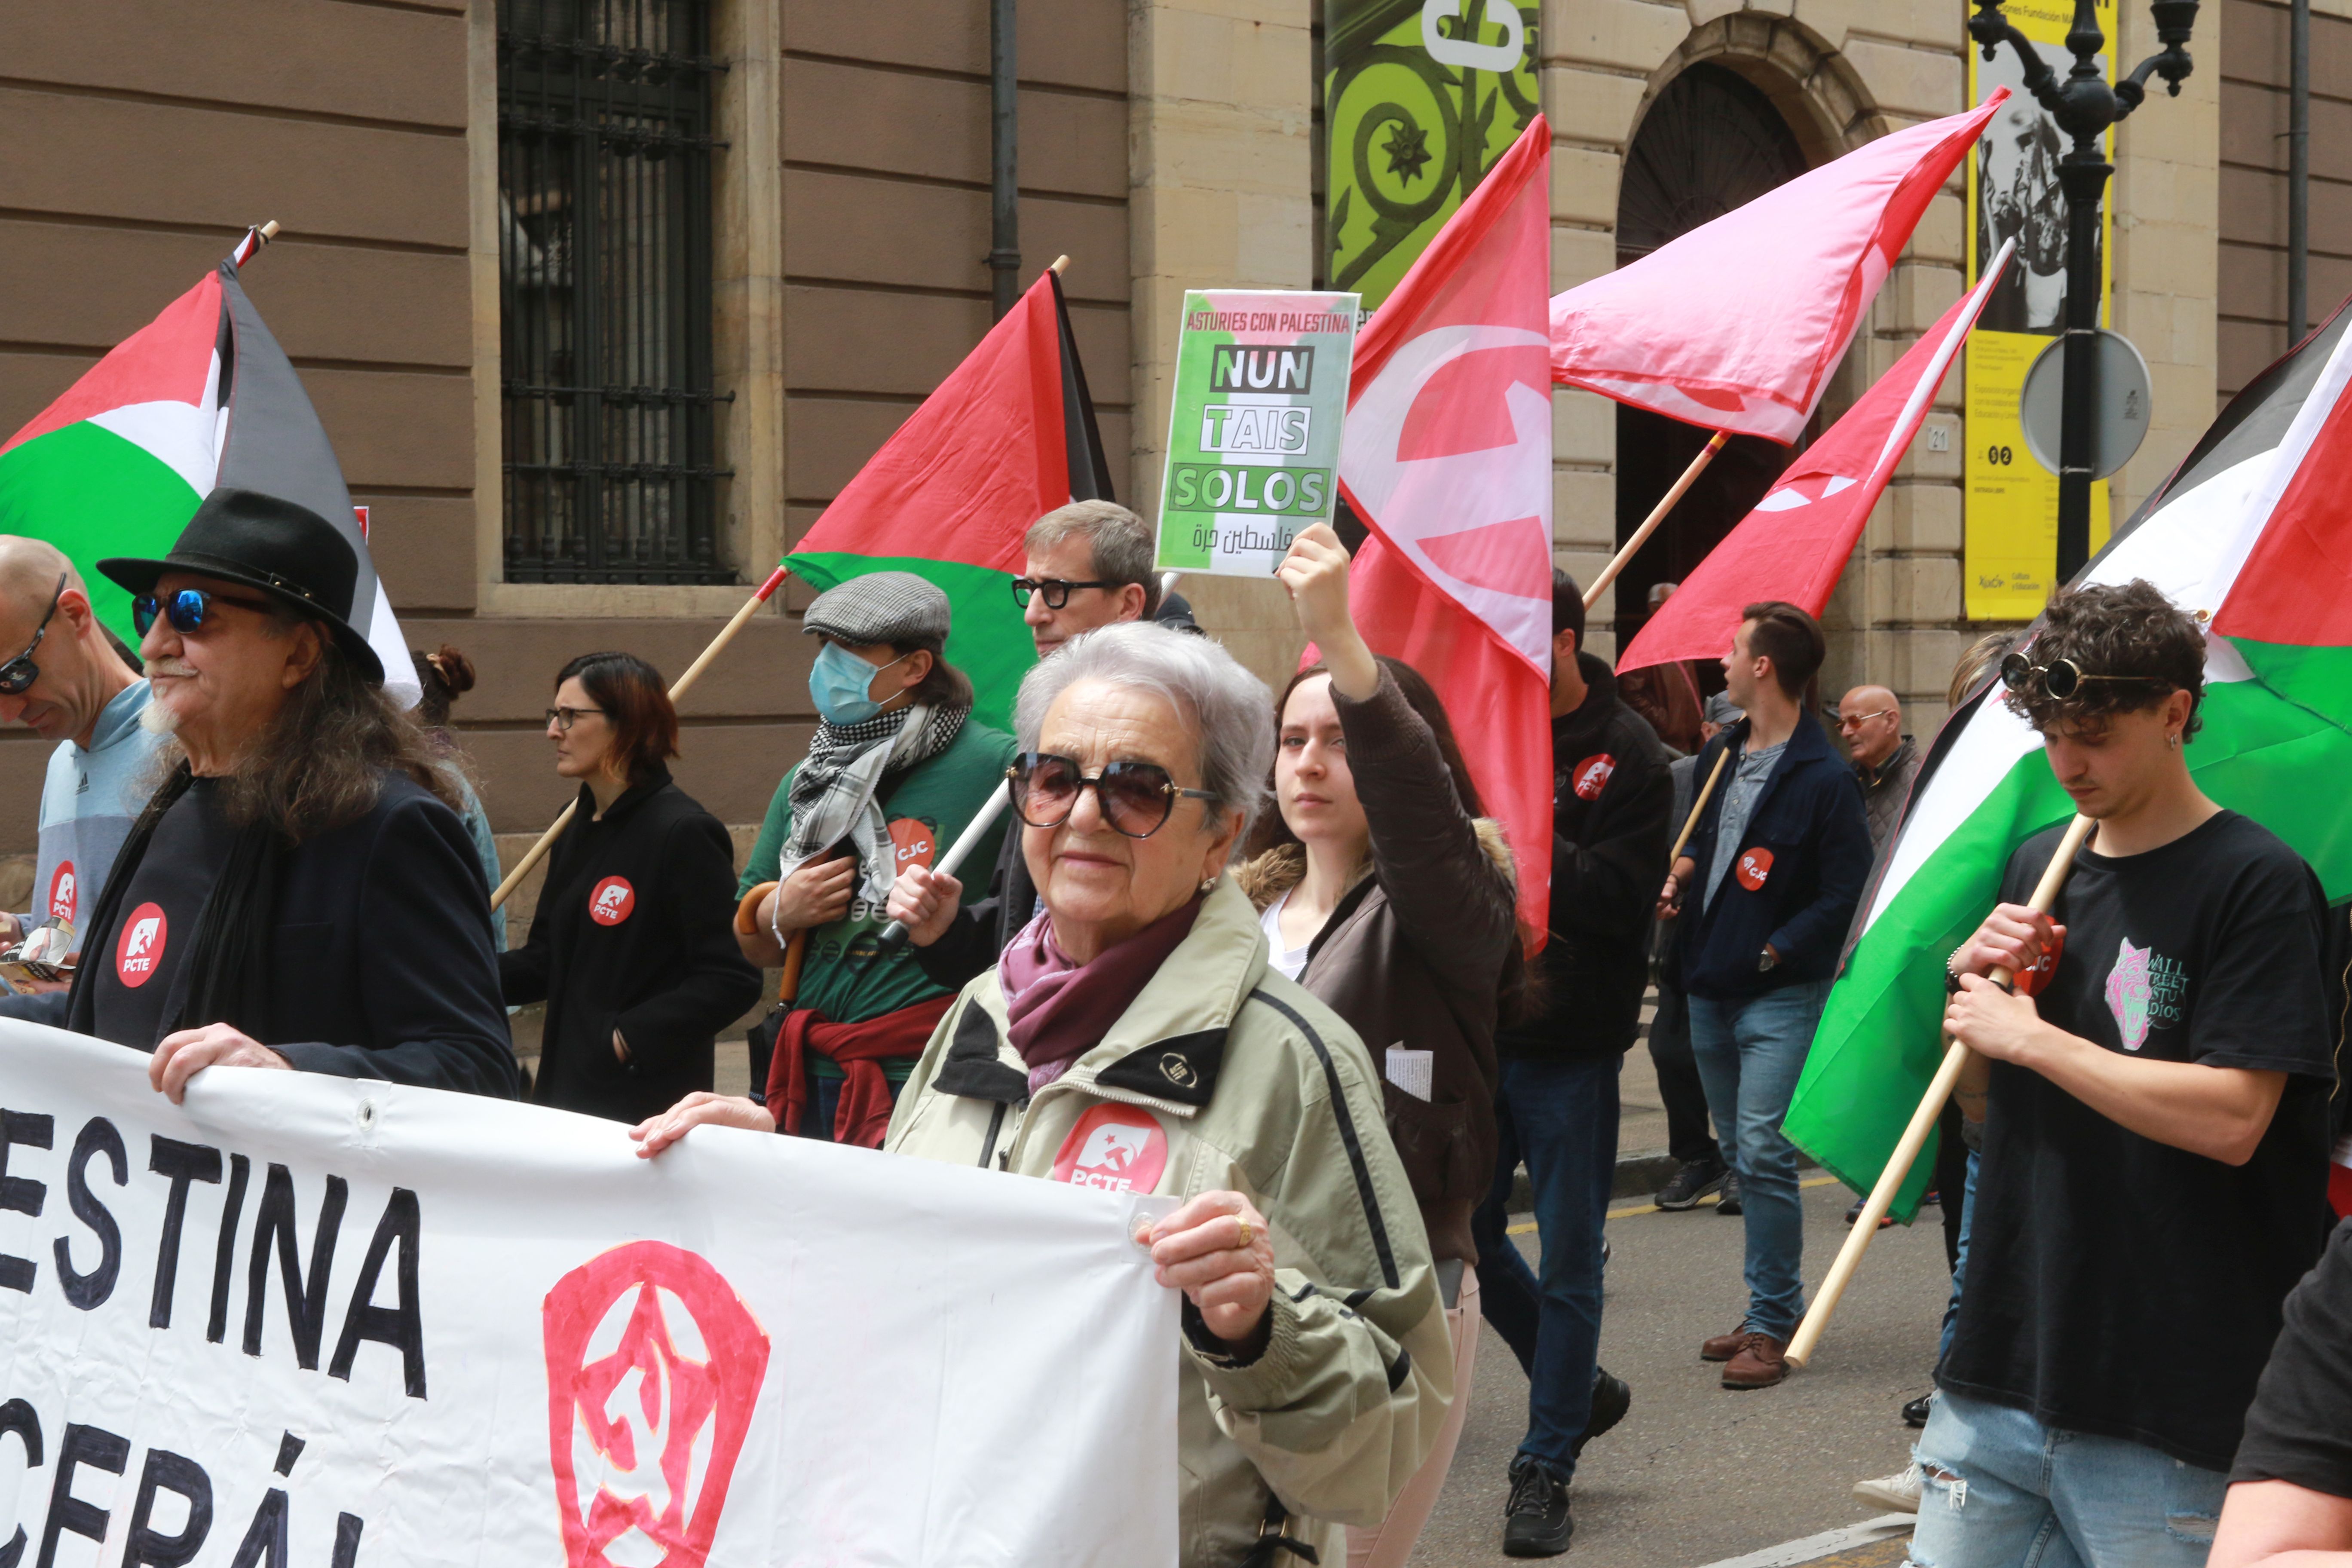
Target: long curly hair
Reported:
[(321, 762), (2147, 646)]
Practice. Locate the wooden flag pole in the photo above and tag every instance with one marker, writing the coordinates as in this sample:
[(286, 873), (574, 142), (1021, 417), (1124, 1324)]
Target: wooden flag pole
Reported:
[(1657, 515), (678, 690), (1697, 806), (1914, 1136)]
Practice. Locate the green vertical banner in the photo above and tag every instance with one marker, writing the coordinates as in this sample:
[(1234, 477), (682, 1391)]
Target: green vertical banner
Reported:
[(1253, 427), (1420, 98)]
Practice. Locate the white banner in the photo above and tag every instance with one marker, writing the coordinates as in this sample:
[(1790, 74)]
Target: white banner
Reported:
[(313, 1322)]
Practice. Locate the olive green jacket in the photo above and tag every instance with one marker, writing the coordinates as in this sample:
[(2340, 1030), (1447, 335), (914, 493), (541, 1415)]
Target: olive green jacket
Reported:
[(1222, 1075)]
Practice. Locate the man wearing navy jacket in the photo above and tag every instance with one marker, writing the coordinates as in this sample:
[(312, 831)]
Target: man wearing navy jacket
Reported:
[(1773, 871)]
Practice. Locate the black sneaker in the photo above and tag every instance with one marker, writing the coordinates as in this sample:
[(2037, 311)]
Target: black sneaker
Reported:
[(1693, 1181), (1611, 1397), (1729, 1202), (1915, 1411), (1854, 1214), (1535, 1522)]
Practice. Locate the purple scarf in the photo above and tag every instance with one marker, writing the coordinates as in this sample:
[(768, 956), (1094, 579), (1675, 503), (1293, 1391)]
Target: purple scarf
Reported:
[(1060, 1009)]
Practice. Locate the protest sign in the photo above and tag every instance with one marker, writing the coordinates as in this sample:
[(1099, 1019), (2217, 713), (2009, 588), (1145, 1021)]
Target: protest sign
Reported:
[(1253, 426), (329, 1323)]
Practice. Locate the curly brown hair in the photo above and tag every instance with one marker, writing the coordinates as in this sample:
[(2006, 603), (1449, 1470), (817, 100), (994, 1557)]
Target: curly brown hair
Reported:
[(2145, 646)]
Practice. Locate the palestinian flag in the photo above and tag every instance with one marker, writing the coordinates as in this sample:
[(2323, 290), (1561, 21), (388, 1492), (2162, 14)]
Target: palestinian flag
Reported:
[(2252, 534), (199, 397), (1005, 440)]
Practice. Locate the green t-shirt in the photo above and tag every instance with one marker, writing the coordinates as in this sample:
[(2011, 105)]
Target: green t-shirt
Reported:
[(926, 809)]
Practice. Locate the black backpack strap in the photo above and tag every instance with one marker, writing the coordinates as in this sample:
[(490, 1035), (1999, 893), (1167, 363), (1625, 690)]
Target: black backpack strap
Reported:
[(1273, 1540)]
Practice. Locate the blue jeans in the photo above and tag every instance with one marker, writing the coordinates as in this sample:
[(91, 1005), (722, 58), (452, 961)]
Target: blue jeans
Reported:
[(1999, 1489), (1560, 1117), (1750, 1053), (1960, 1269)]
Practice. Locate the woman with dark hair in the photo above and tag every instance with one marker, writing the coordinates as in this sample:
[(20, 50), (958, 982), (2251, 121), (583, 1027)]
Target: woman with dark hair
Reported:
[(630, 947), (443, 676), (1387, 894)]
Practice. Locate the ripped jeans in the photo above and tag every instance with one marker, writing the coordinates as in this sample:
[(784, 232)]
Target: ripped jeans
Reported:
[(1999, 1489)]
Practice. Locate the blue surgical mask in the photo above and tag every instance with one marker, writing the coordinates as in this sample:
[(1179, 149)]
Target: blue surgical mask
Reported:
[(839, 683)]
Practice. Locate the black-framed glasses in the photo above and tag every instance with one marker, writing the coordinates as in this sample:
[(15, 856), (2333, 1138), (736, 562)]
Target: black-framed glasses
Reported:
[(2061, 677), (564, 718), (1135, 798), (19, 673), (188, 609), (1057, 590)]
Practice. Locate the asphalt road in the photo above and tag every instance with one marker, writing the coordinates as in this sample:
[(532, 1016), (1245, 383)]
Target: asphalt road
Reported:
[(1696, 1475)]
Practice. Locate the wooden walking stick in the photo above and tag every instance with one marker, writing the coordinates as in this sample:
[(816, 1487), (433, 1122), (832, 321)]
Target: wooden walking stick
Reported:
[(1914, 1136), (678, 690), (1657, 515)]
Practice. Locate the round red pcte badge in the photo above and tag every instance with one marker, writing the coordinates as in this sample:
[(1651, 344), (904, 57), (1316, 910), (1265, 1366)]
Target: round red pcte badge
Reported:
[(140, 948), (1755, 866), (1591, 775), (612, 901), (1115, 1149), (62, 884)]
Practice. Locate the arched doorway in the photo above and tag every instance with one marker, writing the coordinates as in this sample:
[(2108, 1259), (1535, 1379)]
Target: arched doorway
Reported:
[(1710, 141)]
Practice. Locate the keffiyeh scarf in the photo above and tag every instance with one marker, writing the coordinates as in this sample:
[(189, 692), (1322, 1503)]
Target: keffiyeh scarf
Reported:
[(833, 792)]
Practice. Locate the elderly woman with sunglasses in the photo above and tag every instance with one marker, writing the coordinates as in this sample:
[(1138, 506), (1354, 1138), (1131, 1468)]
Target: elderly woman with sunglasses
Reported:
[(1134, 1037)]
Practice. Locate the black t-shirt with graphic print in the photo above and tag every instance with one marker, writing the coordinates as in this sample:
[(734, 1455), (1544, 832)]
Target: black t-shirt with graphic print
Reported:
[(156, 920), (2116, 1285)]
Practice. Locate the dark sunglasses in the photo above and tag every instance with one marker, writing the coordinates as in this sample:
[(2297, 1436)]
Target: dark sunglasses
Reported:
[(186, 610), (20, 672), (1135, 798), (1057, 590), (2061, 677)]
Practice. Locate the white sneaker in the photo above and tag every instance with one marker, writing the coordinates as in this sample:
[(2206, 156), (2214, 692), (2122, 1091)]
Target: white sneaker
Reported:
[(1897, 1493)]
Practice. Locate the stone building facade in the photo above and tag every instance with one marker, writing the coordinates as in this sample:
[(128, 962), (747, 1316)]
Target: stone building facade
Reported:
[(1163, 144)]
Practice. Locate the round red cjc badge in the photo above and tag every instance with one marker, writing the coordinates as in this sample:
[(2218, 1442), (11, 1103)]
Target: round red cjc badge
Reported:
[(1755, 864), (62, 884), (2035, 980), (140, 948), (1591, 775), (915, 844), (612, 900)]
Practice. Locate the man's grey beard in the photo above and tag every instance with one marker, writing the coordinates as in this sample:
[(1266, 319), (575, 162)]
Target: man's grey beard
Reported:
[(158, 719)]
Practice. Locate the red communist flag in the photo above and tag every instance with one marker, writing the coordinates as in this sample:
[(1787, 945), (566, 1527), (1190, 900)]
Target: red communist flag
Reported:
[(1447, 458), (1795, 544), (1738, 324)]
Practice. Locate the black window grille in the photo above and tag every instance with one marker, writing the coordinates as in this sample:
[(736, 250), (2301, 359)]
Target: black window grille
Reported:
[(604, 258)]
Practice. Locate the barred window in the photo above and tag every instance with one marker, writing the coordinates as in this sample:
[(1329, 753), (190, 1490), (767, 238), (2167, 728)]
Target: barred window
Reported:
[(605, 264)]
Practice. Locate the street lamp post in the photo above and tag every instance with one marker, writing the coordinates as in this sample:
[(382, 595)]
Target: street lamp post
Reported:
[(2085, 106)]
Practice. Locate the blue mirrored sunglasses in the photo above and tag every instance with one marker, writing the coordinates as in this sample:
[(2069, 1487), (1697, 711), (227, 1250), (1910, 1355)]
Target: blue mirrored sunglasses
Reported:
[(187, 609)]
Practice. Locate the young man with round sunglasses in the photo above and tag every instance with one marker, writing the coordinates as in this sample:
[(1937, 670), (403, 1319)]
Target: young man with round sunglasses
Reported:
[(2151, 1097), (1088, 566), (64, 680)]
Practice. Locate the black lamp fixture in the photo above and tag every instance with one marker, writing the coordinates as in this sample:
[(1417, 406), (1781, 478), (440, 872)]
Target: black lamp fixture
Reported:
[(2085, 106)]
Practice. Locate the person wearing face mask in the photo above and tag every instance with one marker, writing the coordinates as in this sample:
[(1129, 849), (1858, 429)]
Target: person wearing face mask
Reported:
[(896, 768)]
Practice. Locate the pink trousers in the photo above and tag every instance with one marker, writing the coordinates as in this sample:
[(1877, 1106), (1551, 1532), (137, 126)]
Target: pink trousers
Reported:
[(1388, 1544)]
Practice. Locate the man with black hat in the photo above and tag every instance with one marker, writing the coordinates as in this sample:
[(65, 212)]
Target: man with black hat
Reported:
[(299, 893), (896, 771)]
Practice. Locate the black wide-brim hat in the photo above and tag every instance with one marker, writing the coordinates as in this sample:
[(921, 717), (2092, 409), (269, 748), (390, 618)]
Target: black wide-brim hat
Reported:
[(281, 549)]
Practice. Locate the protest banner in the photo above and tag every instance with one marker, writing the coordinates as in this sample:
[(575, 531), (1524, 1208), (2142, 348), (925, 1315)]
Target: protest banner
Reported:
[(1253, 427), (2013, 195), (333, 1323)]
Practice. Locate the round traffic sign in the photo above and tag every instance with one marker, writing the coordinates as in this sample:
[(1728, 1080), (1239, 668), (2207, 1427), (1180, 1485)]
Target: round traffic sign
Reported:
[(2119, 400)]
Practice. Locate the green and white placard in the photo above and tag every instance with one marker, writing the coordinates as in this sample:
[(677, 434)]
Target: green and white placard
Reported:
[(1254, 428)]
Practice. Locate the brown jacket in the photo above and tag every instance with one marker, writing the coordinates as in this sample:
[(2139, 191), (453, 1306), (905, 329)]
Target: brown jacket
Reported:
[(1417, 954)]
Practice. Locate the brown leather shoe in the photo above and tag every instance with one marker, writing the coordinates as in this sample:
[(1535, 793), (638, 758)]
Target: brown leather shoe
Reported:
[(1723, 1347), (1762, 1362)]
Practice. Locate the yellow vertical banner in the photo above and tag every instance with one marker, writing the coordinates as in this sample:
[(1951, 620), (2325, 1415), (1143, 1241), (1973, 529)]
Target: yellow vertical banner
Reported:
[(2013, 193)]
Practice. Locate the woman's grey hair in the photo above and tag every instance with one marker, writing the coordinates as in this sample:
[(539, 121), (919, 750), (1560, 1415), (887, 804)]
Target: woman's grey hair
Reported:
[(1196, 677)]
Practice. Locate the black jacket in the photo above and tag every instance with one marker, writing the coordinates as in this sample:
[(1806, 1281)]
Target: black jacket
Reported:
[(982, 931), (1612, 795), (634, 932), (381, 964), (1811, 845)]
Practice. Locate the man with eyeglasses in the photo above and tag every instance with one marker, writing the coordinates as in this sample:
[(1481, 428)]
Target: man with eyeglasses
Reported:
[(2153, 1095), (1089, 565), (64, 680), (1885, 760)]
